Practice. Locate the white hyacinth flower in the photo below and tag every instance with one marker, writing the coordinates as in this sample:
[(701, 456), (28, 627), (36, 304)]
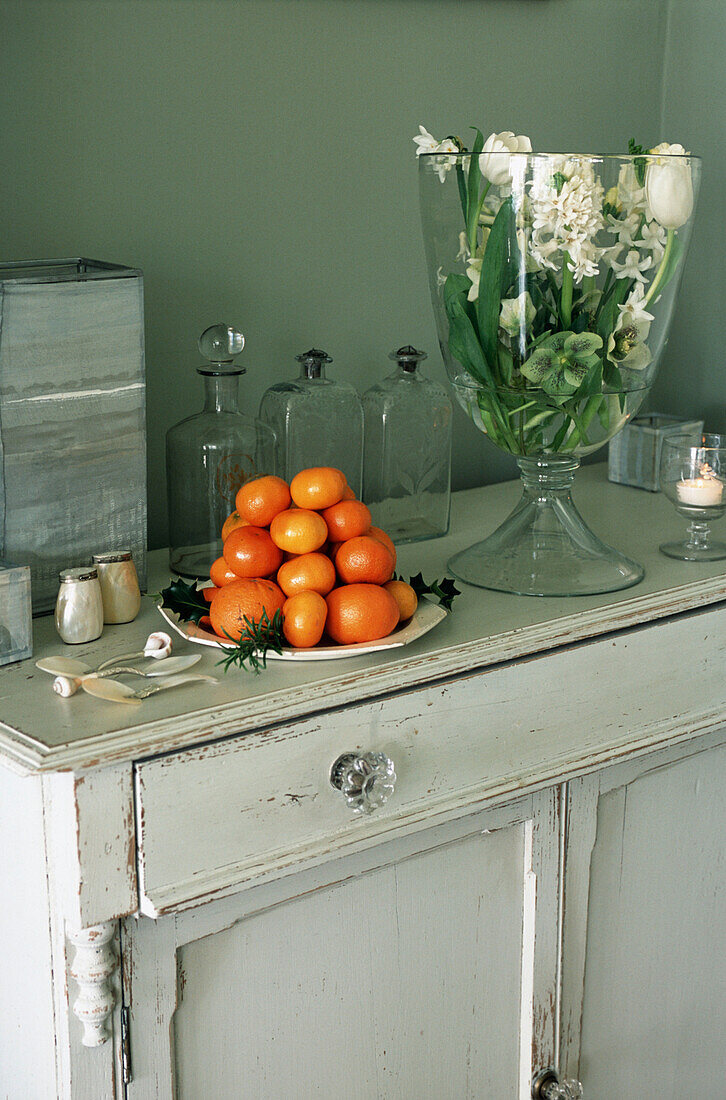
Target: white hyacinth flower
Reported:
[(633, 266), (427, 144)]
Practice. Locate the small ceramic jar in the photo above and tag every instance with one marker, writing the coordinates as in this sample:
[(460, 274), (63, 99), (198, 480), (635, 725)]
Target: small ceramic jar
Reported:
[(119, 586), (79, 607)]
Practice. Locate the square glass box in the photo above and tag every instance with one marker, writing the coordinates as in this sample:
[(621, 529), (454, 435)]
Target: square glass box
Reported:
[(72, 417), (634, 453), (16, 623)]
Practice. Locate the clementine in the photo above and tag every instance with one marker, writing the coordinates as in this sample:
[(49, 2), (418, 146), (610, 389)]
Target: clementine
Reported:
[(220, 573), (382, 536), (234, 519), (250, 552), (364, 560), (304, 616), (347, 519), (318, 487), (360, 613), (307, 573), (243, 599), (299, 531), (404, 596), (259, 501)]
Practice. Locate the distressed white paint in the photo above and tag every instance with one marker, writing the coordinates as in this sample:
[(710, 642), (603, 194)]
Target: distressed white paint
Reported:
[(407, 959), (654, 1012), (484, 737), (478, 745), (93, 967), (486, 628)]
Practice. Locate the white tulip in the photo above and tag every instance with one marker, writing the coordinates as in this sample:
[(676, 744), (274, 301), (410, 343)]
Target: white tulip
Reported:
[(494, 165), (668, 185)]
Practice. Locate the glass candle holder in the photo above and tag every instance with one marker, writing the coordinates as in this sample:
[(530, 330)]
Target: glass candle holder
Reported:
[(693, 477)]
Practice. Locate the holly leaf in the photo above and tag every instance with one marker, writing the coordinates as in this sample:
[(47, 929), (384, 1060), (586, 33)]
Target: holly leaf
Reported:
[(185, 600), (445, 590)]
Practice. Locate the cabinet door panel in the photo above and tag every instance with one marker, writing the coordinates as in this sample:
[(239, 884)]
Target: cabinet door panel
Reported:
[(405, 982), (424, 968), (654, 1011)]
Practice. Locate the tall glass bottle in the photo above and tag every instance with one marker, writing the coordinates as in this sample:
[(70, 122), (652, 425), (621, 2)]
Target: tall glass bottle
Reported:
[(318, 421), (210, 455), (407, 463)]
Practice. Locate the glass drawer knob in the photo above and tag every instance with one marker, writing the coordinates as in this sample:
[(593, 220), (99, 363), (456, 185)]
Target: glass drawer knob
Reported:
[(366, 780), (548, 1085)]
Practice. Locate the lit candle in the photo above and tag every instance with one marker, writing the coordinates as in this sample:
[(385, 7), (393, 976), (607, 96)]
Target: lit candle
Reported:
[(700, 492)]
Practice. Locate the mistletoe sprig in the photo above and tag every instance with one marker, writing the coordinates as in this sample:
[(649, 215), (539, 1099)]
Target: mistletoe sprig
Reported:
[(444, 590)]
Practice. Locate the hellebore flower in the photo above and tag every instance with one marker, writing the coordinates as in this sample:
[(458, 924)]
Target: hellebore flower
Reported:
[(517, 313)]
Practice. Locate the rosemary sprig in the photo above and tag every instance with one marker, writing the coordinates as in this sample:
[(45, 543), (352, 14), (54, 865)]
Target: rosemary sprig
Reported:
[(250, 650), (445, 590)]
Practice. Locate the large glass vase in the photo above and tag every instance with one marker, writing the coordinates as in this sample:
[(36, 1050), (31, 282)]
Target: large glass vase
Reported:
[(553, 279)]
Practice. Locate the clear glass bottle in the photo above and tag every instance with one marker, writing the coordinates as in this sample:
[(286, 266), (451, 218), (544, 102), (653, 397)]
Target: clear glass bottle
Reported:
[(407, 464), (210, 455), (318, 421)]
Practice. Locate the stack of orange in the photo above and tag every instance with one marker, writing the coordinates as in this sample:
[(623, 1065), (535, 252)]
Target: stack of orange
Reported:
[(309, 550)]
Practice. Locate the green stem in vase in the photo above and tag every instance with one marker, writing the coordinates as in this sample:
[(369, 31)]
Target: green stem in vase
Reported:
[(566, 294), (657, 283), (473, 225)]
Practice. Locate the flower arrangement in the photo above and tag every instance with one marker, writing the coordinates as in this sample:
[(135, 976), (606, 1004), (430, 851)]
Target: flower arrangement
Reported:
[(545, 308)]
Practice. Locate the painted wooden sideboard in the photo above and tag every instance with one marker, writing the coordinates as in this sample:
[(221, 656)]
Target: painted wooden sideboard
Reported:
[(191, 910)]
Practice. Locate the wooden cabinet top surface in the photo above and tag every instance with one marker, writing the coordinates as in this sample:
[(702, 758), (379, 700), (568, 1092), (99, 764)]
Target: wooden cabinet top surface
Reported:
[(39, 731)]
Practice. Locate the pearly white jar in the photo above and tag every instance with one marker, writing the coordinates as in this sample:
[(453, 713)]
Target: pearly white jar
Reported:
[(79, 607), (119, 586)]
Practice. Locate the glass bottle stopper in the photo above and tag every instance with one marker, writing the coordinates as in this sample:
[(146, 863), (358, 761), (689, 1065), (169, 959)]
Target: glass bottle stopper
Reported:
[(312, 362), (408, 358), (221, 344)]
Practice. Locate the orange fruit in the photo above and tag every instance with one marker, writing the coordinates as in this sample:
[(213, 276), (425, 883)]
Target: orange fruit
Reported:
[(304, 616), (347, 519), (360, 613), (211, 590), (259, 501), (250, 552), (318, 487), (299, 531), (380, 534), (404, 596), (234, 519), (241, 599), (307, 573), (220, 573), (364, 560), (348, 494)]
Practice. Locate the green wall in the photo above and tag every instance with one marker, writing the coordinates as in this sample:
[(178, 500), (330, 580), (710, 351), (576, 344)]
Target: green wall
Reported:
[(693, 372), (254, 158)]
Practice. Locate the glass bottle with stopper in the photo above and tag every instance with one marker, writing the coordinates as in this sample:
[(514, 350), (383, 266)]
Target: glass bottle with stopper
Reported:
[(407, 463), (318, 421), (210, 455)]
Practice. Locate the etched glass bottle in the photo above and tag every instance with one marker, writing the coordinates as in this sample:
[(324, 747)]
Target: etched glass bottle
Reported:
[(407, 463), (210, 455), (318, 421)]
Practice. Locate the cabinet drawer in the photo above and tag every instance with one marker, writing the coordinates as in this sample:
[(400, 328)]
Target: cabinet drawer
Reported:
[(261, 805)]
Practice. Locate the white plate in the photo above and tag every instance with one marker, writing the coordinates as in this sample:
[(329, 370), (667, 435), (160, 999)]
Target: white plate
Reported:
[(426, 617)]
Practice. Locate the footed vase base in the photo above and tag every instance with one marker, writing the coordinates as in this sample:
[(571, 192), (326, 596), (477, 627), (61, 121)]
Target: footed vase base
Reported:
[(544, 547)]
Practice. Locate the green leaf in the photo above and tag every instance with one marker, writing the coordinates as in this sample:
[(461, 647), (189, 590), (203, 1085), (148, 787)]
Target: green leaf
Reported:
[(445, 590), (473, 185), (464, 344), (582, 345), (498, 271), (506, 365), (609, 307), (639, 163), (185, 600)]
